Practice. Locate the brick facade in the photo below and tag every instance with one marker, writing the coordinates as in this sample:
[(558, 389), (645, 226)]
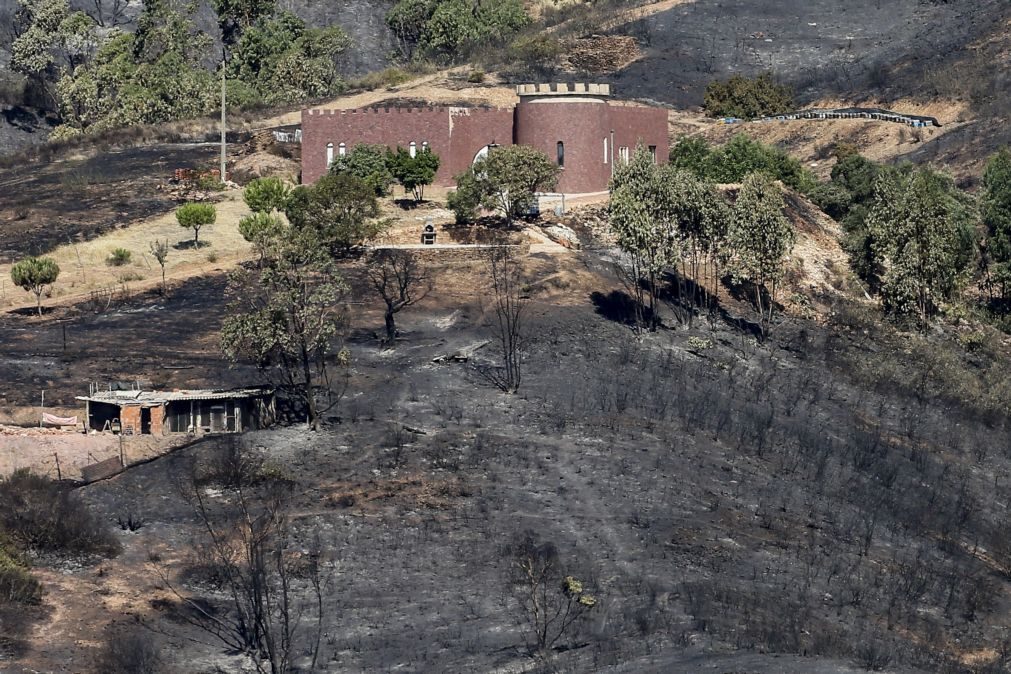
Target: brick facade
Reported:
[(580, 118), (455, 134)]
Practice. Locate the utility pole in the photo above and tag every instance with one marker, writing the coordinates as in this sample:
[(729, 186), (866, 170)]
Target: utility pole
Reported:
[(224, 161)]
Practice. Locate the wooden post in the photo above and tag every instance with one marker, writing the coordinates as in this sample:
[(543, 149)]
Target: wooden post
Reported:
[(224, 161), (122, 457), (59, 473), (43, 411)]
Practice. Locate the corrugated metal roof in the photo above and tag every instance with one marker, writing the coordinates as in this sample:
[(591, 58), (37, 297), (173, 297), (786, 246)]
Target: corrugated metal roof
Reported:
[(157, 397)]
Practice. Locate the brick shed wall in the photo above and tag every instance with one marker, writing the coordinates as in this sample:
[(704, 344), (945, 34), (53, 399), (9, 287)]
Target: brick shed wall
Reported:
[(582, 125), (130, 416), (158, 420), (455, 134)]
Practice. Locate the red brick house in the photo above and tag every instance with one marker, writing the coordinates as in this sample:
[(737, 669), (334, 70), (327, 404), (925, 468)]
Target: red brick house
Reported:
[(577, 125)]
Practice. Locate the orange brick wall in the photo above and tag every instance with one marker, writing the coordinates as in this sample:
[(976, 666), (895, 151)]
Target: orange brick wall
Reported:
[(130, 416), (158, 420)]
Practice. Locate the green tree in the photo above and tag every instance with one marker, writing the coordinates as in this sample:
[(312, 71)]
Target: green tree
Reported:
[(408, 20), (413, 173), (995, 207), (290, 320), (761, 237), (49, 41), (262, 229), (33, 274), (465, 200), (310, 68), (151, 76), (640, 214), (507, 180), (194, 216), (922, 228), (447, 29), (264, 195), (747, 98), (742, 156), (235, 16), (340, 211), (367, 163), (691, 153), (666, 219), (848, 198)]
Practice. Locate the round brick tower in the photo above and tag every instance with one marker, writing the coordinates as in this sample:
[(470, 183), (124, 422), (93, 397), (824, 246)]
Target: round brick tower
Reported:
[(571, 125)]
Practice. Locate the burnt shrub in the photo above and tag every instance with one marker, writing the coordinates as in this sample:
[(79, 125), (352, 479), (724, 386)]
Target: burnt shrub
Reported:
[(17, 585), (41, 515), (131, 653)]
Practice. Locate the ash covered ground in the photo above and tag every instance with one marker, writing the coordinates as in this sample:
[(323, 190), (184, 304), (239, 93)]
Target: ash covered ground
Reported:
[(806, 505)]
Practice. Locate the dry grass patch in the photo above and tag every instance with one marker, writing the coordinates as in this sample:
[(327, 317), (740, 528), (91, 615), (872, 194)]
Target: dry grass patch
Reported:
[(84, 269)]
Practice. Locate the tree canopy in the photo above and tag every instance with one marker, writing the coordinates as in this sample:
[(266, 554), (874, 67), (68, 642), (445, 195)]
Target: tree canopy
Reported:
[(507, 180), (33, 274), (922, 228), (413, 173), (340, 211)]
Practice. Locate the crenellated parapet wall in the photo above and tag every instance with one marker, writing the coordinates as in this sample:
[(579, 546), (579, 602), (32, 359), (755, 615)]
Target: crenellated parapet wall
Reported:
[(456, 134), (563, 89)]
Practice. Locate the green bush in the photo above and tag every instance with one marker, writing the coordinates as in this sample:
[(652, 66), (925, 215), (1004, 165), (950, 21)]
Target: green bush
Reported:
[(264, 195), (464, 201), (447, 30), (368, 164), (739, 158), (41, 515), (384, 79), (119, 257), (476, 76), (747, 98), (536, 53)]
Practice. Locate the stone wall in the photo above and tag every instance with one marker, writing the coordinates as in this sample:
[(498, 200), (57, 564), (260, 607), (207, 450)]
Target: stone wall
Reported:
[(448, 254)]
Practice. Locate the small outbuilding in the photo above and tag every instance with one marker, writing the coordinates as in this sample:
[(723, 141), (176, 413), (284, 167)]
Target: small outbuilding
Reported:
[(195, 412)]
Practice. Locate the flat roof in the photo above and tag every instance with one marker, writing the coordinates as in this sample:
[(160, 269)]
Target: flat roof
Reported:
[(159, 397)]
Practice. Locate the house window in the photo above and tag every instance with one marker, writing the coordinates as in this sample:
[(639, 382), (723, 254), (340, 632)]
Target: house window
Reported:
[(605, 150), (560, 150), (652, 152), (329, 154), (342, 149), (623, 154), (424, 146), (413, 149)]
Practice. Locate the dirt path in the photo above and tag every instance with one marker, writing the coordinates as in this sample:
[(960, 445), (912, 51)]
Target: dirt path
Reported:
[(432, 88)]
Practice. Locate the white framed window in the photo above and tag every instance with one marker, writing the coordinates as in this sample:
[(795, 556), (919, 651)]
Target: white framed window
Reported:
[(652, 152), (329, 154), (560, 151), (623, 154), (481, 154), (413, 149), (424, 146), (342, 150), (605, 150)]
